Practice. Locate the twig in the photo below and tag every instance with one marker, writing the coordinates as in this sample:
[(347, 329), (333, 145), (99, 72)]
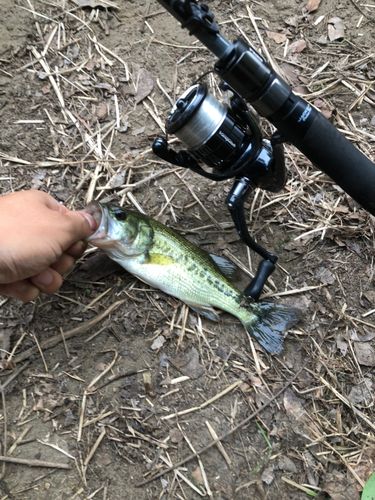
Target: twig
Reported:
[(116, 377), (34, 463), (95, 447), (93, 382), (224, 436), (206, 403), (219, 445)]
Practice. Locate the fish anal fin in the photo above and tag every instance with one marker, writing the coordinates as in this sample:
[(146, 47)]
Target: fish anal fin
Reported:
[(208, 312)]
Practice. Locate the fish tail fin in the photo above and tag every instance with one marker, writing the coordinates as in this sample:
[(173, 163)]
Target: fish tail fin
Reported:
[(269, 322)]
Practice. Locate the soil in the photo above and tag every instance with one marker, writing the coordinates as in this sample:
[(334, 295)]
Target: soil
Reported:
[(308, 438)]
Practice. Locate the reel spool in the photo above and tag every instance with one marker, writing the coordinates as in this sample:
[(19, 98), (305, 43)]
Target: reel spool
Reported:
[(223, 142)]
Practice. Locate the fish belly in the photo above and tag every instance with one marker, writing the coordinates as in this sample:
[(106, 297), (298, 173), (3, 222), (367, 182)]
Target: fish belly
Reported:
[(192, 284)]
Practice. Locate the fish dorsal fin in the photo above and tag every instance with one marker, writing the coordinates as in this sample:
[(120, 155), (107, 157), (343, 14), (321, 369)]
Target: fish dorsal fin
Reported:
[(227, 268), (158, 259)]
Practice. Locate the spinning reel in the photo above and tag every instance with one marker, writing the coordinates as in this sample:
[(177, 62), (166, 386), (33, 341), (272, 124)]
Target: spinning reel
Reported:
[(228, 141)]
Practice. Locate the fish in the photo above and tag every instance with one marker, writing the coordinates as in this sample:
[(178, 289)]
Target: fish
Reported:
[(164, 259)]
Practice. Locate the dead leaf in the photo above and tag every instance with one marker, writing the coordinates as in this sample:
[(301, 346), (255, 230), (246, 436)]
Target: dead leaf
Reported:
[(291, 72), (145, 85), (197, 475), (104, 460), (365, 353), (312, 5), (158, 343), (323, 107), (118, 179), (268, 476), (292, 21), (297, 46), (370, 296), (342, 345), (325, 276), (340, 487), (101, 111), (46, 89), (188, 364), (296, 412), (277, 37), (367, 463), (336, 29), (176, 435), (287, 464), (47, 403), (361, 394), (138, 131), (106, 4)]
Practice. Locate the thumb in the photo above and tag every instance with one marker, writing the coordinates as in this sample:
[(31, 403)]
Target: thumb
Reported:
[(80, 225)]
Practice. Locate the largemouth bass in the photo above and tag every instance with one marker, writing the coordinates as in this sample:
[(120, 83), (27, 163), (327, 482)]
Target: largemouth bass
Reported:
[(162, 258)]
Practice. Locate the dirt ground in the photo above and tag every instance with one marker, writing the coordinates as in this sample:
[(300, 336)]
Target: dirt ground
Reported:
[(90, 383)]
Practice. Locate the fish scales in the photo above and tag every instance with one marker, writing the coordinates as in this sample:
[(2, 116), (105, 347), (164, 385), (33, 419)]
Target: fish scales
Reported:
[(193, 275)]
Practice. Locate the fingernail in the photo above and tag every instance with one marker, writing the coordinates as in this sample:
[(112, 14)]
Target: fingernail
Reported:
[(45, 278), (91, 221)]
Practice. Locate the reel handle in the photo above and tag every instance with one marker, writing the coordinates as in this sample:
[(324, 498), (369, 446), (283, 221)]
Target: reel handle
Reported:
[(235, 203)]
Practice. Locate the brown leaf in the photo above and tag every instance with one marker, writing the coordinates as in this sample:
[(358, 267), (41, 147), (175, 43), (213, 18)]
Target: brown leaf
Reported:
[(278, 37), (370, 296), (176, 435), (291, 72), (336, 28), (145, 85), (297, 46), (323, 107), (188, 364), (340, 487), (312, 5), (365, 353), (139, 130), (197, 475), (101, 111)]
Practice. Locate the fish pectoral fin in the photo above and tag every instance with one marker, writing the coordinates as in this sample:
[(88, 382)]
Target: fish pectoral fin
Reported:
[(208, 312), (158, 259)]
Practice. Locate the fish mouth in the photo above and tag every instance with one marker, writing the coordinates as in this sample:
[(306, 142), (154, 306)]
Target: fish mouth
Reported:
[(100, 214)]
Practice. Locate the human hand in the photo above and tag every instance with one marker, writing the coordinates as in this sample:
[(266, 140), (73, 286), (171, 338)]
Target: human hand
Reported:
[(39, 241)]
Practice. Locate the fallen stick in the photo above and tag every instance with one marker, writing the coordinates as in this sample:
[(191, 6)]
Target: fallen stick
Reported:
[(49, 343), (224, 436), (34, 463)]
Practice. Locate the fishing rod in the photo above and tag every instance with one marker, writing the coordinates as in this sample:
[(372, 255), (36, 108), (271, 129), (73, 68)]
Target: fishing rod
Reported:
[(228, 140)]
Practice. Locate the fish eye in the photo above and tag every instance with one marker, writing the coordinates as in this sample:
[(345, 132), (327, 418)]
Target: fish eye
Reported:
[(120, 215)]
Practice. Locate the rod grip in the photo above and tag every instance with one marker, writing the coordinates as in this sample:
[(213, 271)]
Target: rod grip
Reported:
[(330, 151)]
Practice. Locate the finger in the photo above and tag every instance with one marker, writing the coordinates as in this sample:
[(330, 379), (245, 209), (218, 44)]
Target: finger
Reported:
[(48, 281), (77, 249), (22, 290), (78, 225), (63, 264)]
